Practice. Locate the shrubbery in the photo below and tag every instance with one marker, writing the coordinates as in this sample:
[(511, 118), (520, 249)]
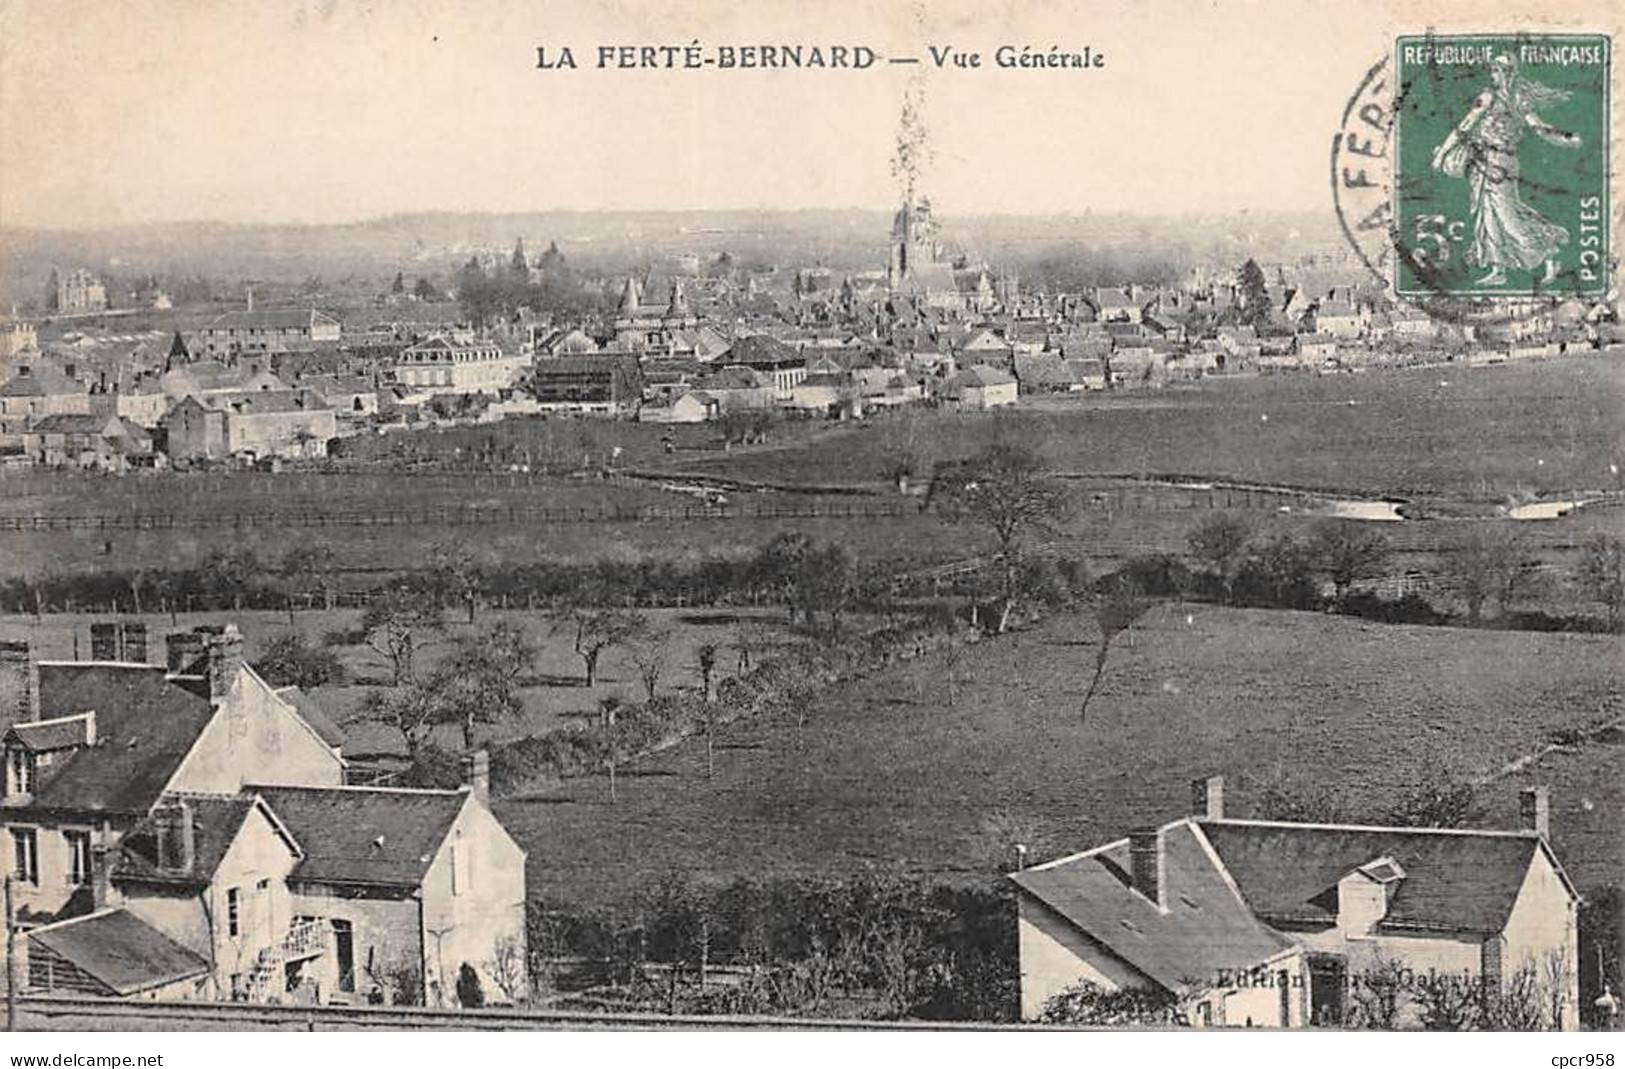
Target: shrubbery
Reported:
[(868, 946)]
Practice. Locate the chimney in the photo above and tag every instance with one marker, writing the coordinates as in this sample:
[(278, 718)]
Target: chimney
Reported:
[(176, 839), (1207, 798), (477, 775), (19, 683), (103, 642), (185, 650), (133, 641), (1535, 806), (225, 649), (101, 876), (1148, 863)]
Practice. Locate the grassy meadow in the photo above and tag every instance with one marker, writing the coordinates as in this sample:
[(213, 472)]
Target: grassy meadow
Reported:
[(887, 775), (1487, 433)]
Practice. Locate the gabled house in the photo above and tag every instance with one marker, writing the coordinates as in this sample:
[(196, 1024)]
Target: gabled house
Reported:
[(93, 442), (268, 330), (607, 384), (1275, 924), (781, 364), (980, 387), (1116, 305), (39, 388), (184, 830)]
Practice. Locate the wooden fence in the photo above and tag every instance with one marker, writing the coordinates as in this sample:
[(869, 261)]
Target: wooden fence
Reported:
[(461, 516)]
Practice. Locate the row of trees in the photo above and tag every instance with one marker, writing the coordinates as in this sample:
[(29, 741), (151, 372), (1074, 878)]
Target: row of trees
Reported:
[(1283, 569)]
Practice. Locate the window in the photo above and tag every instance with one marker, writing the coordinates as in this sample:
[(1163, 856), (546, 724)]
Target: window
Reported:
[(344, 954), (19, 771), (25, 855), (234, 912), (78, 856)]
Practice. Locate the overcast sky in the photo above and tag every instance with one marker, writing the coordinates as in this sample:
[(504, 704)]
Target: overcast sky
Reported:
[(329, 110)]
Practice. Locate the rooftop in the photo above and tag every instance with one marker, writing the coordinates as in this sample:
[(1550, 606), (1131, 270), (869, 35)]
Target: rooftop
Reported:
[(146, 724), (120, 951), (1205, 929), (364, 835)]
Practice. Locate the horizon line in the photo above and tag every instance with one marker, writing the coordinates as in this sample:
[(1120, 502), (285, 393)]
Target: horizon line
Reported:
[(61, 228)]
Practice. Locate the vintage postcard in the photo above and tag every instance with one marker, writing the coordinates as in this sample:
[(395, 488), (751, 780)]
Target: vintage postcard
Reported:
[(925, 517)]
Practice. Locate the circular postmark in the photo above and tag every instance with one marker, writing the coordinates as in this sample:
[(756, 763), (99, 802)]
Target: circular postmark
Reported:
[(1447, 208)]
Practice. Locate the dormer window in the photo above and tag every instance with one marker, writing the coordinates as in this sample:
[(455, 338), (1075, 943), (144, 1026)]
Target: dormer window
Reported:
[(19, 770)]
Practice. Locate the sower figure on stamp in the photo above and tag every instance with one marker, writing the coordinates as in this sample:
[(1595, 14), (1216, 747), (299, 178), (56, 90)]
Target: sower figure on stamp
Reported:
[(1483, 148)]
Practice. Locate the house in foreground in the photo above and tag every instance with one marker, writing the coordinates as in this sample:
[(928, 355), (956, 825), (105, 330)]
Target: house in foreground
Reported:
[(184, 830), (1274, 924)]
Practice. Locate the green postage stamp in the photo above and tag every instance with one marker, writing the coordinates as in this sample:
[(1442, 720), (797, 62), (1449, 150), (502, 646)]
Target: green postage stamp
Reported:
[(1501, 165)]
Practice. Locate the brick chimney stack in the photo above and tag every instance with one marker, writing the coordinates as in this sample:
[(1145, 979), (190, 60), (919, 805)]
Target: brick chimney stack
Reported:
[(176, 837), (101, 876), (1148, 863), (477, 775), (19, 684), (1535, 805), (224, 646), (1207, 798)]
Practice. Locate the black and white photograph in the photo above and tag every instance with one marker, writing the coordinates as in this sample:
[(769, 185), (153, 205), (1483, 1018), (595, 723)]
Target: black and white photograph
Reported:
[(1052, 527)]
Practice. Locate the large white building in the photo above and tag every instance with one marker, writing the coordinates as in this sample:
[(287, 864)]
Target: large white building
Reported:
[(447, 365)]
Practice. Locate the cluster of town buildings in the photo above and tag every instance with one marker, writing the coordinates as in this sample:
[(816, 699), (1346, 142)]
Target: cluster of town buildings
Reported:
[(694, 341), (186, 830)]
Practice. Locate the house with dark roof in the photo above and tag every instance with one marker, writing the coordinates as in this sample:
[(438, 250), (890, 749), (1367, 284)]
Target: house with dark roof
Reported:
[(101, 442), (268, 330), (980, 387), (184, 830), (782, 364), (1276, 924), (39, 388), (603, 384)]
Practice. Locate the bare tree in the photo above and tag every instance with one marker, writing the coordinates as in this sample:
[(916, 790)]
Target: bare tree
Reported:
[(454, 575), (1377, 995), (1346, 551), (507, 969), (1490, 566), (479, 682), (410, 710), (1602, 574), (706, 660), (597, 630), (953, 655), (395, 624), (1220, 543), (1117, 609), (1006, 490), (647, 651)]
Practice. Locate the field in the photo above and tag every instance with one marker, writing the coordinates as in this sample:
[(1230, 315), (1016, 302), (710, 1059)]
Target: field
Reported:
[(1487, 433), (555, 694), (887, 776), (1454, 435)]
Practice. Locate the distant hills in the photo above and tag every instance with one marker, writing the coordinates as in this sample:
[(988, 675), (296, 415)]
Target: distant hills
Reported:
[(437, 242)]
